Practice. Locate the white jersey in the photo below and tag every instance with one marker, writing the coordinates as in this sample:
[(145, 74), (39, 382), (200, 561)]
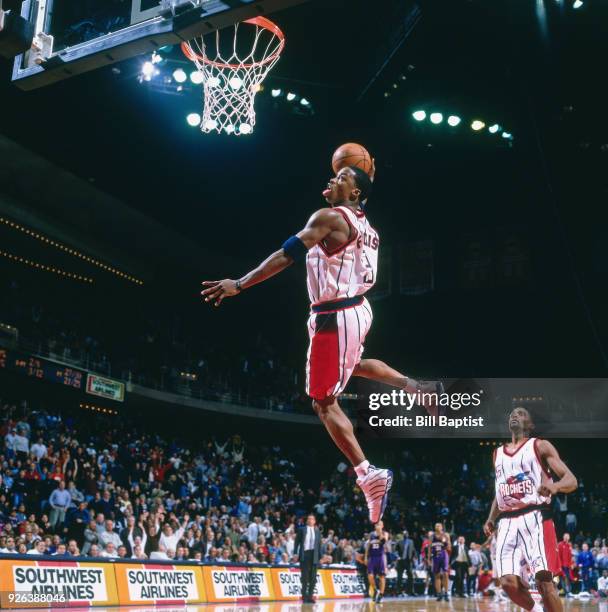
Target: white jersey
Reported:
[(349, 270), (518, 476)]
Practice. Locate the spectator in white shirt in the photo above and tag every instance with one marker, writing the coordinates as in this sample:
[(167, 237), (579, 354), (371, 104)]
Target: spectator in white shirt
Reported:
[(10, 547), (39, 548), (161, 553), (254, 531), (38, 449), (170, 538), (109, 552), (110, 536), (22, 447), (602, 584)]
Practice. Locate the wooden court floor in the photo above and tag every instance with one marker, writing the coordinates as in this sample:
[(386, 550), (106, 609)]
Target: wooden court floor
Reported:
[(414, 604)]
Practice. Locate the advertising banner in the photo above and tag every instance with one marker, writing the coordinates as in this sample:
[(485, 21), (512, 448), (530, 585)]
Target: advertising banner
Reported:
[(41, 584), (287, 584), (159, 584), (343, 583), (239, 583)]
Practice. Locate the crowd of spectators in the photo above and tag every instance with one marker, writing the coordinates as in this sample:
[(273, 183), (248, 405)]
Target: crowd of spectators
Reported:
[(78, 483)]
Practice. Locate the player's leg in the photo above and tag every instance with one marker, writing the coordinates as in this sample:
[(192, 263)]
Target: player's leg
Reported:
[(548, 592), (381, 587), (374, 369), (445, 581), (517, 592), (438, 590), (340, 428), (335, 349), (372, 585)]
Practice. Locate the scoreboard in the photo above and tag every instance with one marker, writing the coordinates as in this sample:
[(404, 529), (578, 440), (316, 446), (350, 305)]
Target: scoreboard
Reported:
[(42, 369)]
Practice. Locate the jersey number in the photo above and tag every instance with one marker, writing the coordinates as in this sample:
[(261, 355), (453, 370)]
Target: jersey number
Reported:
[(369, 270)]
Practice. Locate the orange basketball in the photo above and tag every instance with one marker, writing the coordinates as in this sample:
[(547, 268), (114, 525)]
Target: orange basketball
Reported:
[(351, 154)]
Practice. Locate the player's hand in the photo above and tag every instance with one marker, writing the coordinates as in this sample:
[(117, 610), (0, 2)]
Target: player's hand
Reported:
[(547, 488), (218, 290), (488, 528)]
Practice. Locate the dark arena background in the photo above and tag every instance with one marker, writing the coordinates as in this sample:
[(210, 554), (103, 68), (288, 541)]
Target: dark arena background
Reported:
[(190, 453)]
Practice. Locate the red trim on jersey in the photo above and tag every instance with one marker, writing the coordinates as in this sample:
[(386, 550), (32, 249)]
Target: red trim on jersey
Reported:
[(521, 445), (354, 235), (542, 465), (551, 547), (324, 364), (360, 213)]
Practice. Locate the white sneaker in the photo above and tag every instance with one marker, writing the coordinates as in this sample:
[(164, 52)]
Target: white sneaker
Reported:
[(375, 486)]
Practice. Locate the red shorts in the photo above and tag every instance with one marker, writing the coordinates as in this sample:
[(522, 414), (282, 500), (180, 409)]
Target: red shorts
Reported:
[(335, 349)]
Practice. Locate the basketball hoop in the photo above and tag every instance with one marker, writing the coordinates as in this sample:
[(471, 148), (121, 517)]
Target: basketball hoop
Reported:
[(231, 80)]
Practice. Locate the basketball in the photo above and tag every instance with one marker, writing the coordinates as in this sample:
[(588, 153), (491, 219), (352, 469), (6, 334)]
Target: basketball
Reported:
[(351, 154)]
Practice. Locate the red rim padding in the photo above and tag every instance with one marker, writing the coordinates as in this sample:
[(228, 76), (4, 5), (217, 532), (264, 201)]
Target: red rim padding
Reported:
[(263, 22)]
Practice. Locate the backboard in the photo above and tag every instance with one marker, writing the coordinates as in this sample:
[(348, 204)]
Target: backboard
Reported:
[(76, 36)]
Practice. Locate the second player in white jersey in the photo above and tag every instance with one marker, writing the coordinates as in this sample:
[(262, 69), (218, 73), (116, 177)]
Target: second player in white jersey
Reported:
[(349, 270), (519, 475)]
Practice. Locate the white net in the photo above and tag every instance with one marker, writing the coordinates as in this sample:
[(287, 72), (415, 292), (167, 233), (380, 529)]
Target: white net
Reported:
[(232, 76)]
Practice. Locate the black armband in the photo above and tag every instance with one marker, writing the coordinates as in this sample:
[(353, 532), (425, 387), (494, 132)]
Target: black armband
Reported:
[(295, 248)]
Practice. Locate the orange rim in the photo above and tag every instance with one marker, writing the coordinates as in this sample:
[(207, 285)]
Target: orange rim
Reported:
[(263, 22)]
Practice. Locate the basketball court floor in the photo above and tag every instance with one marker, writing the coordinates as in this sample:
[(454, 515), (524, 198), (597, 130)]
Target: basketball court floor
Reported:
[(419, 604)]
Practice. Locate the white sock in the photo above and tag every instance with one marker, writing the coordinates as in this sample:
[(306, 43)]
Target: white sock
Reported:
[(362, 468)]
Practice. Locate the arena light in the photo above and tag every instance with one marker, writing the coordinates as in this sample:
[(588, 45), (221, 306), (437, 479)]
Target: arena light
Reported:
[(454, 120), (507, 135), (213, 81), (436, 118), (477, 125), (62, 247), (180, 76), (147, 70), (275, 93), (419, 115), (291, 96), (245, 128), (40, 266), (304, 102), (197, 77), (229, 129), (193, 119), (494, 128), (235, 83), (156, 58), (577, 4), (210, 124)]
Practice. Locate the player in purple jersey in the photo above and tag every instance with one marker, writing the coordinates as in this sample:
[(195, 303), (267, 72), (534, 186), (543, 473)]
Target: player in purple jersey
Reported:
[(375, 559), (439, 560)]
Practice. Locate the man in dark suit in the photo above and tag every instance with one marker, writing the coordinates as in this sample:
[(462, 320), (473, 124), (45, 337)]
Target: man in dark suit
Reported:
[(406, 553), (307, 550), (460, 562)]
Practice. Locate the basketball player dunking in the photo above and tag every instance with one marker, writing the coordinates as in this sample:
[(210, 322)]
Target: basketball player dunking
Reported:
[(341, 252), (528, 472)]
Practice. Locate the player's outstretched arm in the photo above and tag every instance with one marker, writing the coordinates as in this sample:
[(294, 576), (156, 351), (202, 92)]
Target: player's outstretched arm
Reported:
[(567, 480), (319, 226)]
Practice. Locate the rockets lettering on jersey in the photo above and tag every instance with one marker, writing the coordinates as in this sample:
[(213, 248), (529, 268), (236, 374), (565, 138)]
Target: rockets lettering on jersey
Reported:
[(349, 270), (519, 474)]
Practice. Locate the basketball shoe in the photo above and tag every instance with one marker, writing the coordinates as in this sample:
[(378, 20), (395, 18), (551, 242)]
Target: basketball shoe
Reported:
[(375, 486)]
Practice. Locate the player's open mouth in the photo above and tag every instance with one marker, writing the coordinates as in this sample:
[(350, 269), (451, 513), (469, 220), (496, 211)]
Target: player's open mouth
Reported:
[(327, 190)]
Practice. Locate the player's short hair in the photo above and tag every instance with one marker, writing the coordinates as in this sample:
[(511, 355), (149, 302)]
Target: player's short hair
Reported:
[(363, 182)]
